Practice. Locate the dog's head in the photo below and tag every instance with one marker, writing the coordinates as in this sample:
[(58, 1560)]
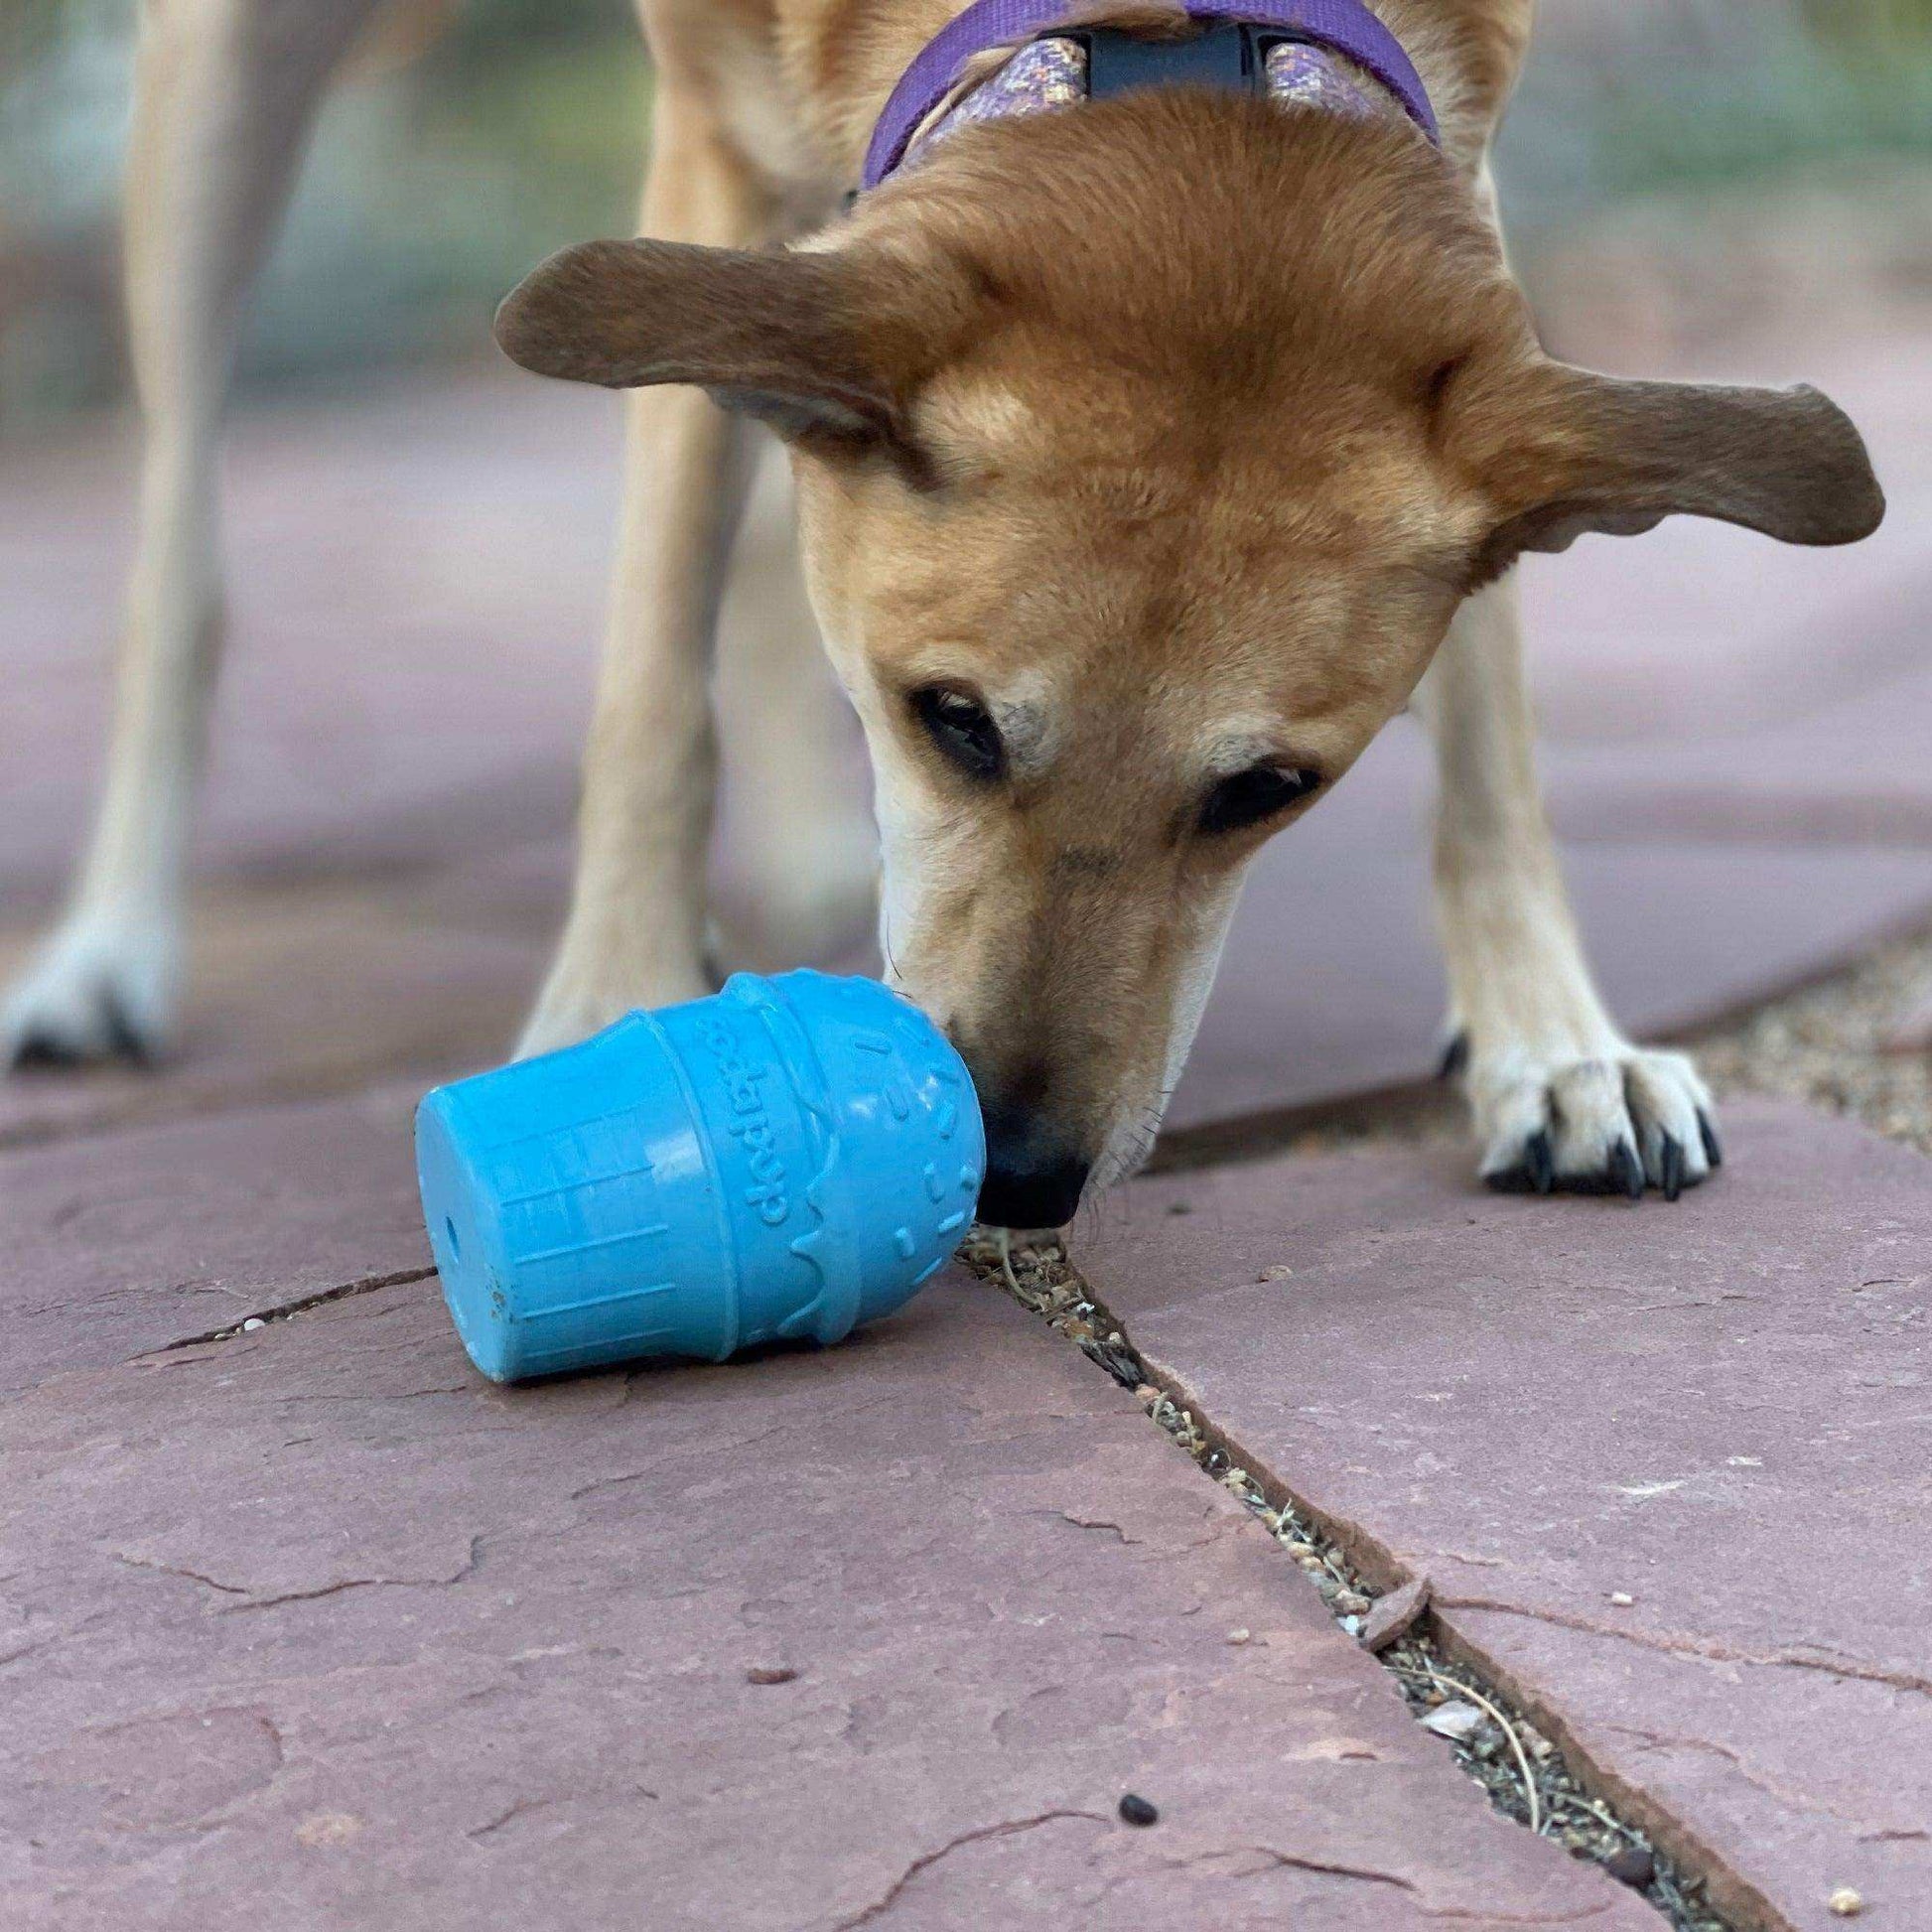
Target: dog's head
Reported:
[(1144, 457)]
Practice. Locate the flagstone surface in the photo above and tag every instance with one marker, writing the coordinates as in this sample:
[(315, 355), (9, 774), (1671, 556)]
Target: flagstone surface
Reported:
[(1668, 1468), (129, 1242), (313, 1628)]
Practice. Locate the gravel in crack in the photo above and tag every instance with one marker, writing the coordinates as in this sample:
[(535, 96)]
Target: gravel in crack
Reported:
[(1834, 1043)]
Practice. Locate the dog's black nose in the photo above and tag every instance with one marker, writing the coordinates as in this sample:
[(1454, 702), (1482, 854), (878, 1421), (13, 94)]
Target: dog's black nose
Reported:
[(1034, 1177)]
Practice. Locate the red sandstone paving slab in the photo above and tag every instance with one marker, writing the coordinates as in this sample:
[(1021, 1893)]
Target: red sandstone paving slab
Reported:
[(417, 585), (1852, 771), (1700, 628), (301, 989), (312, 1627), (126, 1243), (1719, 1410), (418, 591)]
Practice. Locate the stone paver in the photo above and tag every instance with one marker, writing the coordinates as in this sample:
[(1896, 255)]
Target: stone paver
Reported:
[(1697, 631), (416, 590), (312, 1627), (1665, 1467), (129, 1242)]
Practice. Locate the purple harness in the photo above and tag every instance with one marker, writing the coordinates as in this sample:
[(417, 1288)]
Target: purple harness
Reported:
[(1343, 27)]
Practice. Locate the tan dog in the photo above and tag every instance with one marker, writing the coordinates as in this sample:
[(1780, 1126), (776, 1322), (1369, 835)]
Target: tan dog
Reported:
[(1150, 457)]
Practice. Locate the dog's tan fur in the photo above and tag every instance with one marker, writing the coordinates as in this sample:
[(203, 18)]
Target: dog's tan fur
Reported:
[(1183, 433)]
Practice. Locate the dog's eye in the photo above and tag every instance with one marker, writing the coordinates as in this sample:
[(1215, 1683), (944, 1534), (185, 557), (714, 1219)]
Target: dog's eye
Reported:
[(962, 728), (1249, 797)]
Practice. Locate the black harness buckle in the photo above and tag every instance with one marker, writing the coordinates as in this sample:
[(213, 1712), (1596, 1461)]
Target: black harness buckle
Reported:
[(1228, 55)]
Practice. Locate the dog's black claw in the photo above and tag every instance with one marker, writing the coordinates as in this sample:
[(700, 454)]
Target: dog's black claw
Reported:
[(1671, 1163), (1714, 1149), (1542, 1161), (1455, 1059), (36, 1050), (129, 1043), (1626, 1169), (1535, 1173)]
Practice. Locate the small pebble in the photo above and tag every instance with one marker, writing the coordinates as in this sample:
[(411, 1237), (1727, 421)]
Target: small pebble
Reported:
[(1458, 1722), (1396, 1614), (1622, 1599), (1631, 1864), (1240, 1636), (1135, 1810), (1351, 1602), (253, 1323), (1845, 1903), (1279, 1272), (1354, 1625), (771, 1674)]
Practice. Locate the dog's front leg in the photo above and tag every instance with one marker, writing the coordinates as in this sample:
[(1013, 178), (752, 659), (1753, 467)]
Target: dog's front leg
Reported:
[(1561, 1098), (224, 95), (635, 934)]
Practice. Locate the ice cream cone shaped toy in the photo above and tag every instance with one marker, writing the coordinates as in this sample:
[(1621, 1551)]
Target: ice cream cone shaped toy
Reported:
[(781, 1161)]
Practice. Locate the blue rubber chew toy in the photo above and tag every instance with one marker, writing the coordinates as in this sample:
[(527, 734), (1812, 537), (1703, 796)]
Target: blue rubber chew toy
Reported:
[(783, 1160)]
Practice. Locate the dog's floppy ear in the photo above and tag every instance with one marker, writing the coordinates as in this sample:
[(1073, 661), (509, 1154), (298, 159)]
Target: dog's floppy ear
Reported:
[(806, 342), (1570, 452)]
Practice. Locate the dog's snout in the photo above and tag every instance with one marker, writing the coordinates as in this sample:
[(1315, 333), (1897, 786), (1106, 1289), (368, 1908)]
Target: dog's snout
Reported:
[(1035, 1176)]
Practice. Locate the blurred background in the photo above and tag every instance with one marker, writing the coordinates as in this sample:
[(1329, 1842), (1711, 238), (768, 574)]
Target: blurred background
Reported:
[(1735, 733), (1683, 160)]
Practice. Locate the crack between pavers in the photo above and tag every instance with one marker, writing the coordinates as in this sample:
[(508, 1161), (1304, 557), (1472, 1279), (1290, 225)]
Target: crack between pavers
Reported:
[(712, 1449), (1169, 1548), (1449, 1914), (1089, 1523), (524, 1806), (1698, 1863), (928, 1859), (174, 1569), (1710, 1649), (1746, 1907), (338, 1587), (1453, 1914), (284, 1310), (1328, 1868)]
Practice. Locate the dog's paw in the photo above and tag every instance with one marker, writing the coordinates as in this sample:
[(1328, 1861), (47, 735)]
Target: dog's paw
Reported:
[(1611, 1123), (101, 989)]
